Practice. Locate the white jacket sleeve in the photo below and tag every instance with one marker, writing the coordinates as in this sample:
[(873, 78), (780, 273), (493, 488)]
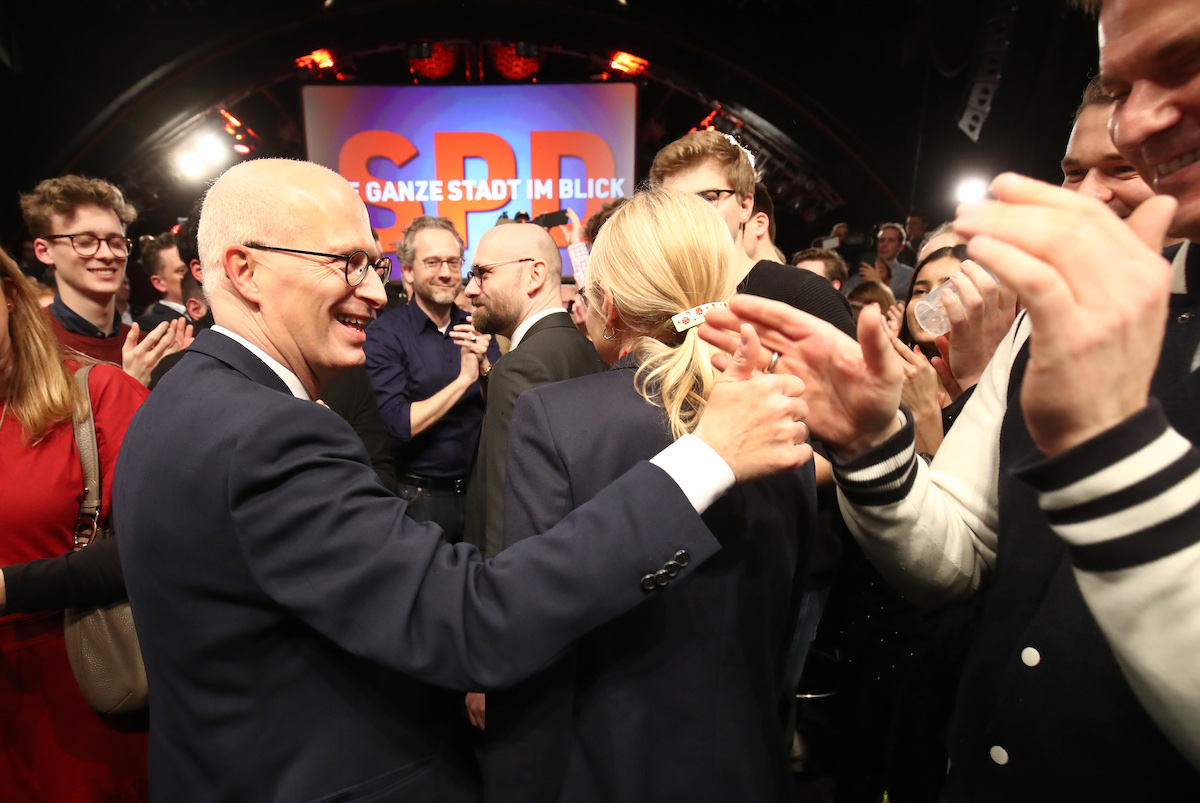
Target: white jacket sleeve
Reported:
[(931, 531)]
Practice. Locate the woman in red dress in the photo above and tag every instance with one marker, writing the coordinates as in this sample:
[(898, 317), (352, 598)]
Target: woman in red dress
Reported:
[(53, 747)]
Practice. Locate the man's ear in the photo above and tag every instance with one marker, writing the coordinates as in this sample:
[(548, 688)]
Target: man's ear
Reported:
[(539, 271), (41, 249), (746, 210), (837, 284), (197, 273), (196, 308), (158, 283), (406, 271), (761, 224), (243, 273)]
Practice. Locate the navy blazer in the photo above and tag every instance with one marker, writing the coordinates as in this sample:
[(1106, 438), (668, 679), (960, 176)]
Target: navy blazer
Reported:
[(677, 699), (291, 616)]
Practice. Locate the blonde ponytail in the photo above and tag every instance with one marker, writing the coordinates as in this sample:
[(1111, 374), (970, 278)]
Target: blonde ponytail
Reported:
[(662, 253)]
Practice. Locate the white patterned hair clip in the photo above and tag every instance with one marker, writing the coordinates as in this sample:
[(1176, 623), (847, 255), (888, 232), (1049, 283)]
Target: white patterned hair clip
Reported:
[(733, 141), (694, 316)]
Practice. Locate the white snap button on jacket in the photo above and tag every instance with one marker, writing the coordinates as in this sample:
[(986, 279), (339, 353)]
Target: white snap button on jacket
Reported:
[(1030, 656), (999, 754)]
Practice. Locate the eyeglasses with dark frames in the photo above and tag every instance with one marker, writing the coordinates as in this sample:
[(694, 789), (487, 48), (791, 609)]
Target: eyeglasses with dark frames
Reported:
[(357, 262), (715, 195), (434, 263), (481, 272), (87, 244)]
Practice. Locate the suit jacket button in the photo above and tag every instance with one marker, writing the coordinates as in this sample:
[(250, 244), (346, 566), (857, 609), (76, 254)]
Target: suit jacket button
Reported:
[(682, 557), (661, 577), (648, 583)]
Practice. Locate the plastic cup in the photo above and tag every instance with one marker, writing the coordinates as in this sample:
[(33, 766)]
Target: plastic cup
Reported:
[(931, 310)]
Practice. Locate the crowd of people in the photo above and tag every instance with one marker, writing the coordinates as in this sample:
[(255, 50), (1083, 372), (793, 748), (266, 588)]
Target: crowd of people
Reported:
[(479, 530)]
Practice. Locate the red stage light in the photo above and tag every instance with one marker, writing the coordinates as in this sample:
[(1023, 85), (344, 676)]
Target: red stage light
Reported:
[(515, 62), (242, 148), (628, 63), (320, 59), (229, 118), (175, 229), (440, 62)]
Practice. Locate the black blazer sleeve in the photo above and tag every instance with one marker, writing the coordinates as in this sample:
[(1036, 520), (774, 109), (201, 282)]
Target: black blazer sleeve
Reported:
[(88, 578), (351, 396)]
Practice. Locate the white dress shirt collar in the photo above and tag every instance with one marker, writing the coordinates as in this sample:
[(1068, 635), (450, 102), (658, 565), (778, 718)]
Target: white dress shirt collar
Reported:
[(525, 325), (290, 379)]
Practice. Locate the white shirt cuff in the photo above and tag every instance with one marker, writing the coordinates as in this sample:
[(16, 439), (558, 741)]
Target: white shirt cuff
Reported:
[(697, 469)]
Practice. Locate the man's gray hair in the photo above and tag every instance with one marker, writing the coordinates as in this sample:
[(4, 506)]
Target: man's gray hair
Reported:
[(406, 249)]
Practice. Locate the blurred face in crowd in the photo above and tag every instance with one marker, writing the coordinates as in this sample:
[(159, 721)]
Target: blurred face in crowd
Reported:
[(709, 180), (916, 228), (1150, 60), (95, 277), (438, 285), (498, 293), (170, 274), (888, 244), (931, 275), (1093, 166)]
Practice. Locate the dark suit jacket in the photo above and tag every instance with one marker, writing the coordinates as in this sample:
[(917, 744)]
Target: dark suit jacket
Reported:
[(677, 699), (290, 615), (155, 314), (551, 351)]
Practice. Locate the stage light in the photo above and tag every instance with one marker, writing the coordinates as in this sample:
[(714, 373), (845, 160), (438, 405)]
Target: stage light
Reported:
[(970, 189), (629, 64), (211, 149), (230, 119), (516, 62), (432, 61), (190, 164), (316, 61), (242, 148)]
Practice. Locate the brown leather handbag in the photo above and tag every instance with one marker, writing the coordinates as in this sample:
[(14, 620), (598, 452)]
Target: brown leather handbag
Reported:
[(102, 643)]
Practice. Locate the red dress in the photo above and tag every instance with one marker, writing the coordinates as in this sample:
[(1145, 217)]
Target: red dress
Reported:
[(53, 747)]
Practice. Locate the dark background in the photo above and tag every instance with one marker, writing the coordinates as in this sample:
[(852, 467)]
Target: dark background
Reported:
[(856, 104)]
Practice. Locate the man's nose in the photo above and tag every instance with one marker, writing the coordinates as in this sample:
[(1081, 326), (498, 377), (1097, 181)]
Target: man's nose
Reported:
[(1148, 110), (371, 290), (1096, 185)]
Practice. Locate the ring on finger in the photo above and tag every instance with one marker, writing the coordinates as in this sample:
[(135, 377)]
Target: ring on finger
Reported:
[(806, 432), (474, 338), (773, 362)]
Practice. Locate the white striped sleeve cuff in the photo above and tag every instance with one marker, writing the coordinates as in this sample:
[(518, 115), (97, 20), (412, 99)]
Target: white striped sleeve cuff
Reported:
[(882, 475), (1126, 497)]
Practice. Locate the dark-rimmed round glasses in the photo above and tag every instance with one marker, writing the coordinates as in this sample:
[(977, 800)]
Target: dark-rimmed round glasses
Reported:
[(715, 195), (480, 272), (356, 262), (87, 244)]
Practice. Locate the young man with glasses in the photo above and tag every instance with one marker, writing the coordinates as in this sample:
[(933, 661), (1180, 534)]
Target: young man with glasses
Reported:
[(713, 166), (78, 225), (426, 362)]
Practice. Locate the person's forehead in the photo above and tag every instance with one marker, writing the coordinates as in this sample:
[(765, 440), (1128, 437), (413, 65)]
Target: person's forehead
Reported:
[(889, 233), (1090, 141), (815, 265), (938, 271), (95, 219), (435, 242), (1134, 34), (706, 175)]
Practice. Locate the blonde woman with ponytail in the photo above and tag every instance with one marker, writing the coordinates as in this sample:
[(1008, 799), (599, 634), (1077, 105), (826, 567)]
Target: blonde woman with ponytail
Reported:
[(52, 745), (676, 700)]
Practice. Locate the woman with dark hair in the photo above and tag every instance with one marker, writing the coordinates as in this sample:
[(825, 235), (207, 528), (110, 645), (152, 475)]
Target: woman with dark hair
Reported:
[(53, 747), (678, 699)]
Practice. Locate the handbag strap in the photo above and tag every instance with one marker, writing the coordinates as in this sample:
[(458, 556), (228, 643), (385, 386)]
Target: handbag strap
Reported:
[(88, 522)]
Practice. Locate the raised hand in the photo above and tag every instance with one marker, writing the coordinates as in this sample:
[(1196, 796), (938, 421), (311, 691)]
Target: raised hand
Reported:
[(1096, 290), (852, 389), (755, 421), (980, 316), (139, 357)]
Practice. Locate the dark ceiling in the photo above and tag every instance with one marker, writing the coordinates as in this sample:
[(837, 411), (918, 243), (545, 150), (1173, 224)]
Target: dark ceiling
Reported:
[(861, 97)]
